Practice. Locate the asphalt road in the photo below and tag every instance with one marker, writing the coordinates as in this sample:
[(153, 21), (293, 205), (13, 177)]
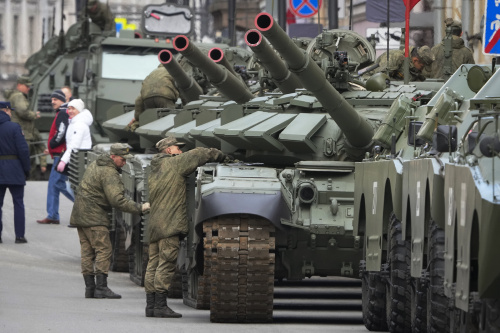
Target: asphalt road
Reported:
[(42, 290)]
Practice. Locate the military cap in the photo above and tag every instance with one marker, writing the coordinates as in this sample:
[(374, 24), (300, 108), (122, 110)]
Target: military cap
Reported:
[(425, 54), (5, 105), (120, 149), (449, 22), (22, 79), (167, 142)]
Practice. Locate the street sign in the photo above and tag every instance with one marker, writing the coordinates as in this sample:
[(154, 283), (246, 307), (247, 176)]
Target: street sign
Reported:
[(381, 37), (492, 28), (305, 8)]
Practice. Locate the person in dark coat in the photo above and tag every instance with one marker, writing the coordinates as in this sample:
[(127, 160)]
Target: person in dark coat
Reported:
[(14, 168)]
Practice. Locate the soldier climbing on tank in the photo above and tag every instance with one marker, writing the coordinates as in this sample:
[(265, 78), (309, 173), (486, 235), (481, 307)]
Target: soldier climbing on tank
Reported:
[(448, 59), (101, 15), (158, 91), (420, 58), (168, 221)]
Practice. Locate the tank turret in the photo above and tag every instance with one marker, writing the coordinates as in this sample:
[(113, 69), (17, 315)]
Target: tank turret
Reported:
[(356, 128), (229, 85), (188, 87), (286, 81)]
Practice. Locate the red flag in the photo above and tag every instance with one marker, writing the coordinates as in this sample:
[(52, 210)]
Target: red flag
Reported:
[(409, 6)]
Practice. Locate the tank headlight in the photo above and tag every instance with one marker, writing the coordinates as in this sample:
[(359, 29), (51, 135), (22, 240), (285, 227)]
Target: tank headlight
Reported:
[(307, 193)]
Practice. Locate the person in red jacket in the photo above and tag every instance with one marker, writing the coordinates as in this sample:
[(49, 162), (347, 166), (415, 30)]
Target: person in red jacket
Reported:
[(57, 146)]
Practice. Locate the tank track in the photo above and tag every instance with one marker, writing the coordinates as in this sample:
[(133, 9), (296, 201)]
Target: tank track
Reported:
[(241, 265)]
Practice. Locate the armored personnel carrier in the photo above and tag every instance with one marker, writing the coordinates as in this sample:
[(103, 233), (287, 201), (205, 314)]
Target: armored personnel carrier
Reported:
[(403, 210)]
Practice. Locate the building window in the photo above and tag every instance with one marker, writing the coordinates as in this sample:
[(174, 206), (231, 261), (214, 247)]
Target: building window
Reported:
[(15, 37)]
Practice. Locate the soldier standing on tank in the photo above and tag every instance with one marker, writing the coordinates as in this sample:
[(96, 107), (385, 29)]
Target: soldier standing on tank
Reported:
[(158, 91), (446, 63), (101, 189), (21, 114), (168, 221), (420, 58), (101, 15), (14, 168)]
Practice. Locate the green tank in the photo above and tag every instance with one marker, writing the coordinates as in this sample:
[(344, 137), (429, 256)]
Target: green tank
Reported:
[(287, 212), (415, 266)]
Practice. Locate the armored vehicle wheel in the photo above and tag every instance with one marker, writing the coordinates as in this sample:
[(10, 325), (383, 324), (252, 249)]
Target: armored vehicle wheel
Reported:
[(438, 315), (119, 255), (175, 289), (398, 288), (419, 288), (242, 270), (373, 301), (490, 316), (464, 322), (138, 256)]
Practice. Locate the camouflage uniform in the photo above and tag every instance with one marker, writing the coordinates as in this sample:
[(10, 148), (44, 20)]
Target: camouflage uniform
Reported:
[(100, 189), (168, 217), (101, 16), (395, 66), (460, 55), (158, 91), (40, 148), (26, 118)]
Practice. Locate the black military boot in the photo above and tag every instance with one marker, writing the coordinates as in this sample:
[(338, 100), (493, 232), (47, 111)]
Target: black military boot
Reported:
[(161, 309), (102, 290), (150, 305), (89, 286)]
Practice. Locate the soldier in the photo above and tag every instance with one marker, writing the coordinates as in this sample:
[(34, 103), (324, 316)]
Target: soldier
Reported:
[(21, 114), (168, 220), (460, 54), (158, 91), (14, 168), (101, 15), (420, 58), (100, 189)]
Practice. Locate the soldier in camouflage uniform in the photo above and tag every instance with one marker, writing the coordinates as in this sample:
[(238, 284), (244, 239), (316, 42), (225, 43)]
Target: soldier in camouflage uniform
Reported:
[(18, 98), (420, 58), (158, 91), (460, 54), (101, 15), (168, 220), (100, 189)]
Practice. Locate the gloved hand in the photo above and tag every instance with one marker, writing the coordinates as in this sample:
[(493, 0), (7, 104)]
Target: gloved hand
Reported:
[(146, 207), (61, 166), (228, 159)]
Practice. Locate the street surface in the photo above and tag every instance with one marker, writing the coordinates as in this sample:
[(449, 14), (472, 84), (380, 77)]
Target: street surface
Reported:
[(42, 290)]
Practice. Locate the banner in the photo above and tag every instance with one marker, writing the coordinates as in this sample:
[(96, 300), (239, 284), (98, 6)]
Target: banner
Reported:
[(409, 6)]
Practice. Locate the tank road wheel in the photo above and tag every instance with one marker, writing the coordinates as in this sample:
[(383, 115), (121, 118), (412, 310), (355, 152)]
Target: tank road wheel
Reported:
[(438, 314), (398, 288), (242, 279), (373, 301)]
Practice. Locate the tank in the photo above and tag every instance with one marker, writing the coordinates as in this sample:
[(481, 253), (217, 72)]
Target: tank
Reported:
[(287, 211), (407, 200)]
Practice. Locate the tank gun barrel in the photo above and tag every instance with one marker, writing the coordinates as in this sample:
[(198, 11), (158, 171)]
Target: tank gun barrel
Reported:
[(188, 87), (356, 128), (217, 56), (229, 85), (286, 81)]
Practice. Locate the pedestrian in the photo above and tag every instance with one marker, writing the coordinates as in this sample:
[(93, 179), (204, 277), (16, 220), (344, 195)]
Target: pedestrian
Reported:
[(157, 91), (100, 190), (22, 115), (78, 133), (420, 59), (458, 54), (56, 147), (101, 15), (14, 168), (168, 218)]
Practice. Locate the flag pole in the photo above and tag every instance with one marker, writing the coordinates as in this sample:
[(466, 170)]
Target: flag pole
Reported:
[(407, 43)]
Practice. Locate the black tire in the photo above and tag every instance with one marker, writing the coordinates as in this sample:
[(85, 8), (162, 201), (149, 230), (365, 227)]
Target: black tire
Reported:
[(399, 287), (138, 256), (175, 289), (419, 305), (438, 314), (119, 256), (490, 316), (373, 301)]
